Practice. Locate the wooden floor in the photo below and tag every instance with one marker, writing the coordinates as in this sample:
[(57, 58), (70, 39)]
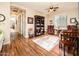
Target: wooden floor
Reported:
[(26, 47)]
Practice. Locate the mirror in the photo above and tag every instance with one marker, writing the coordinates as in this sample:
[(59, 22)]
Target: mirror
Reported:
[(73, 20), (2, 17)]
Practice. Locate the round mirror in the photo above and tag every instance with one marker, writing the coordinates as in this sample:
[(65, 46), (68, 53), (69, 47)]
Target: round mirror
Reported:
[(2, 17), (73, 20)]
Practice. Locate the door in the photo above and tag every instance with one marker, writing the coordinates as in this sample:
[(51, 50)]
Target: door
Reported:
[(21, 23)]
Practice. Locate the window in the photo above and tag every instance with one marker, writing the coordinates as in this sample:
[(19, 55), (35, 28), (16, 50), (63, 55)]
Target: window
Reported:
[(60, 22)]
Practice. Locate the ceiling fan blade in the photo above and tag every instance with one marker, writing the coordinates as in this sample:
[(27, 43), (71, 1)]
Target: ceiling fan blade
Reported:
[(54, 10), (51, 7), (56, 7)]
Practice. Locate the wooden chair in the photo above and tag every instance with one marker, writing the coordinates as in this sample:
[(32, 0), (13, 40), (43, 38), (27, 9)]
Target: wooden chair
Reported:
[(68, 41)]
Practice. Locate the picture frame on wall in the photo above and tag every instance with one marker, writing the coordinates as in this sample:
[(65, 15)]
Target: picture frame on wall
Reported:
[(51, 21), (30, 20), (73, 20)]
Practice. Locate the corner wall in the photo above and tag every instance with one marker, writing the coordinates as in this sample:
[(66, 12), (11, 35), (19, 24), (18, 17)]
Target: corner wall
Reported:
[(5, 26)]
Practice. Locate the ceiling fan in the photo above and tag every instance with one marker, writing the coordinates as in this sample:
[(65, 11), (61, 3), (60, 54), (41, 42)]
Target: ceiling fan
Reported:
[(52, 8)]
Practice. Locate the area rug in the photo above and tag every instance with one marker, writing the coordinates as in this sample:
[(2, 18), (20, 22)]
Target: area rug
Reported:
[(47, 42)]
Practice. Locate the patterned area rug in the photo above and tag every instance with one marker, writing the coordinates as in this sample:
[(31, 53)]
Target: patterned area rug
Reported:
[(47, 42)]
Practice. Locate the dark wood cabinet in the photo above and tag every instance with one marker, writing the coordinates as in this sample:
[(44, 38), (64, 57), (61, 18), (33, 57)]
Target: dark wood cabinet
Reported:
[(50, 29), (39, 25)]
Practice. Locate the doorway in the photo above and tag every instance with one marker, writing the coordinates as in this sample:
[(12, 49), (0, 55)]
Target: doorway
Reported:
[(17, 21)]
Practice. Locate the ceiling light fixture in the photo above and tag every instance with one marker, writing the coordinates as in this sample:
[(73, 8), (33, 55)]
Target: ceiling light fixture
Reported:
[(52, 8)]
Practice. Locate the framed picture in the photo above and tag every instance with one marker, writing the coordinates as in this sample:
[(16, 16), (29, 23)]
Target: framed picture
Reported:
[(30, 20), (51, 21), (73, 20)]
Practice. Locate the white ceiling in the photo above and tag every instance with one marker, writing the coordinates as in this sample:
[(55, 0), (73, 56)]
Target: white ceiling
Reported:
[(42, 6)]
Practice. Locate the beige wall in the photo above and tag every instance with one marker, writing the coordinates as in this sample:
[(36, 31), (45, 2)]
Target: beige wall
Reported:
[(29, 13), (5, 26)]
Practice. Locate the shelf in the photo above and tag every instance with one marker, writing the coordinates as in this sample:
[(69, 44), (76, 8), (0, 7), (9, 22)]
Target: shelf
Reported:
[(39, 25)]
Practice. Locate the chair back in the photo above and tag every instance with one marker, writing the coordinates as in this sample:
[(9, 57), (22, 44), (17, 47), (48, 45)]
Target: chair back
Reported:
[(70, 36)]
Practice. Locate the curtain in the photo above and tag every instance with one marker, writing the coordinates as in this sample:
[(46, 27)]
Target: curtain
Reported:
[(60, 22)]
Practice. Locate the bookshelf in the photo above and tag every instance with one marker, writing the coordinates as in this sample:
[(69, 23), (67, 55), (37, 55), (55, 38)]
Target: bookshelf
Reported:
[(39, 25)]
